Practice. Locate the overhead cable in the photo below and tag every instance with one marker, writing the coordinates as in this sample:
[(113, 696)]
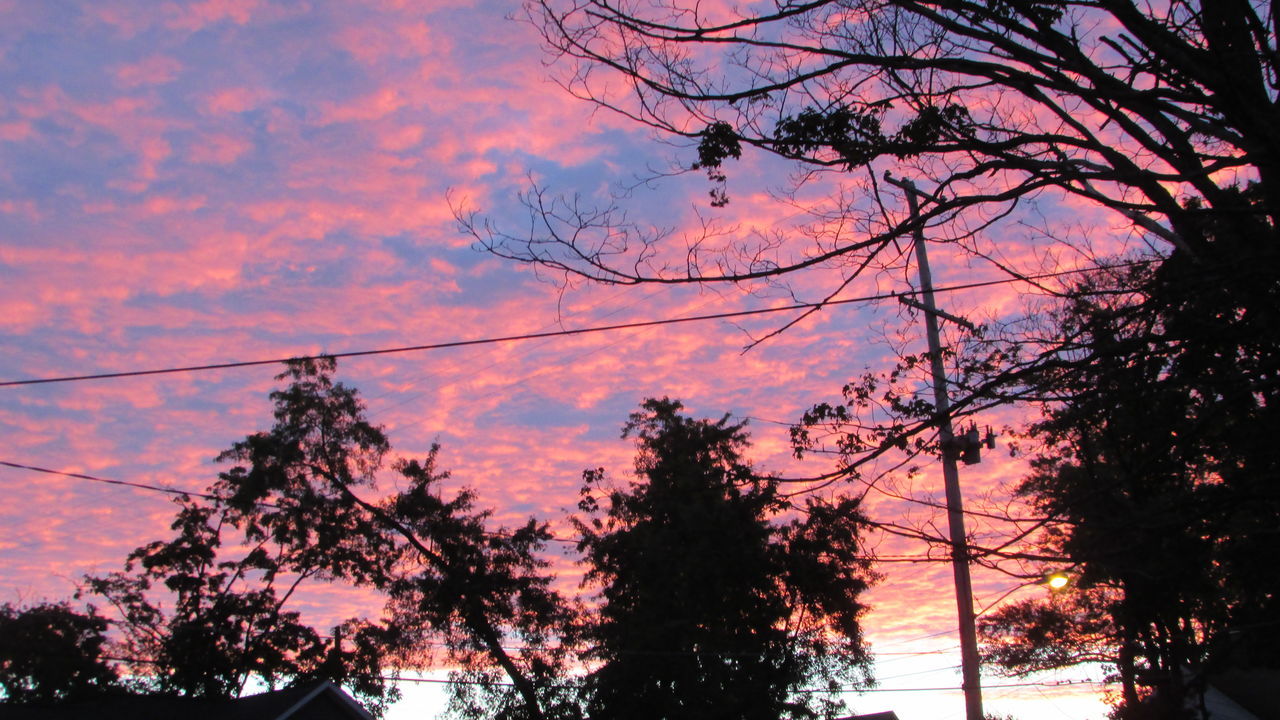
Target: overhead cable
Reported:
[(553, 333)]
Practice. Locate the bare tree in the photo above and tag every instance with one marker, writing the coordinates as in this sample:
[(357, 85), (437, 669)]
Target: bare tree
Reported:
[(1152, 110)]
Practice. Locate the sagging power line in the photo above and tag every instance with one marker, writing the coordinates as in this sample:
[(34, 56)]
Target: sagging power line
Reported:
[(556, 333)]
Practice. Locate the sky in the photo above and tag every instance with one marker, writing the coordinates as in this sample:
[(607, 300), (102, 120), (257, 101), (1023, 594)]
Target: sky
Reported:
[(194, 183)]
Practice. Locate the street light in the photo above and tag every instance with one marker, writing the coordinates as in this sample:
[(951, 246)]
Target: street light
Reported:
[(1057, 580)]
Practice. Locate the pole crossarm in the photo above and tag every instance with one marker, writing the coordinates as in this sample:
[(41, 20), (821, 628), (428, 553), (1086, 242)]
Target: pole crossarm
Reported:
[(913, 303)]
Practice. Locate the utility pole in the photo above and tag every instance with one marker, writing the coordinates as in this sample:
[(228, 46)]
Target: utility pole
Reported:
[(951, 448)]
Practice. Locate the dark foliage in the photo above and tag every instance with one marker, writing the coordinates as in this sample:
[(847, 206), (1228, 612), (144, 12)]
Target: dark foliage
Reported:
[(199, 618), (52, 653), (710, 604), (197, 623), (445, 573), (1160, 471)]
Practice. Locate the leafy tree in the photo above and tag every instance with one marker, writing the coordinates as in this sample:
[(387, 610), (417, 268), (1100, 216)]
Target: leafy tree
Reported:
[(1032, 635), (710, 605), (50, 652), (1159, 476), (444, 571), (197, 622), (1159, 469), (225, 623)]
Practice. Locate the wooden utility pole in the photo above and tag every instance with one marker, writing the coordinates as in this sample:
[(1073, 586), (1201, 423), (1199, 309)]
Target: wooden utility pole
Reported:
[(951, 477)]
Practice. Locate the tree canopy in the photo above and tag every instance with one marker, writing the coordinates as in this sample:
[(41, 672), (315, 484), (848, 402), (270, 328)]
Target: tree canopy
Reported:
[(444, 571), (710, 603), (1158, 476), (50, 652), (198, 623), (714, 596), (207, 612)]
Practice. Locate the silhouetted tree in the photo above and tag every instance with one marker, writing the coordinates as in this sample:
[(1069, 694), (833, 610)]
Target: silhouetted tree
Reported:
[(50, 653), (195, 622), (1160, 477), (1071, 627), (1133, 106), (1158, 472), (1160, 113), (445, 572), (711, 605)]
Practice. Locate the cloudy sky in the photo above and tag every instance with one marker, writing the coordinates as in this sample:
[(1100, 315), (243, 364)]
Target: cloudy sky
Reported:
[(192, 183)]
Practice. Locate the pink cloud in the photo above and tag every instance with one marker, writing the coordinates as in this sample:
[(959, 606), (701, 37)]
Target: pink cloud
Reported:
[(15, 131), (192, 16), (151, 151), (166, 204), (234, 100), (401, 138), (132, 121), (155, 70), (218, 149), (402, 37), (126, 17), (26, 209), (442, 267), (372, 106)]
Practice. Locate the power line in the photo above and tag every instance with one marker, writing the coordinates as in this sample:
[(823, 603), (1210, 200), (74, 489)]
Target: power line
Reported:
[(207, 496), (125, 483), (957, 688), (806, 691), (554, 333)]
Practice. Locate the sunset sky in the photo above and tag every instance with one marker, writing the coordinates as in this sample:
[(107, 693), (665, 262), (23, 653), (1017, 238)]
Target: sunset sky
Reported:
[(191, 183)]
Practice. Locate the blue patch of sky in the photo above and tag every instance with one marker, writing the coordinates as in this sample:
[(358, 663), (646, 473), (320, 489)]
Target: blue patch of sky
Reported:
[(268, 155), (414, 250), (278, 276), (45, 59), (27, 356), (325, 74), (488, 289), (331, 139), (631, 165), (483, 50), (531, 409), (416, 254), (55, 168), (200, 302), (612, 179)]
